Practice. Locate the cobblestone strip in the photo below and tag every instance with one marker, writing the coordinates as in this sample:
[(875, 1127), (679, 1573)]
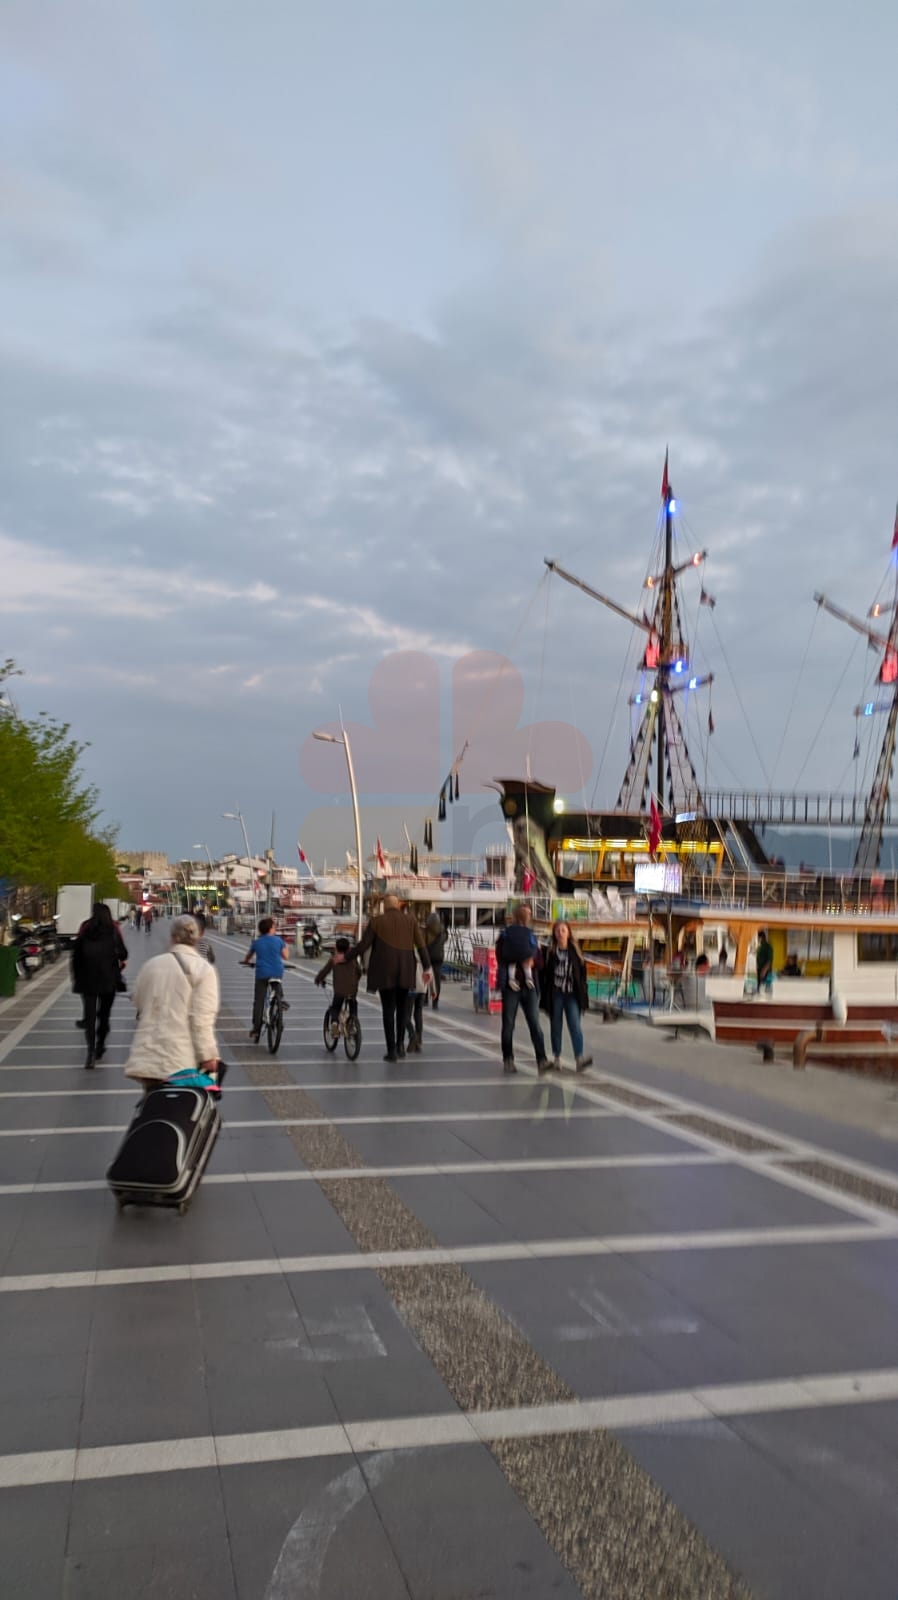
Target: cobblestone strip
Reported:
[(854, 1183), (627, 1097), (611, 1525), (749, 1143)]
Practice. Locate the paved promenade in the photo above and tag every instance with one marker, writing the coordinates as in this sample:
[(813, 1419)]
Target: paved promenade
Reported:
[(433, 1332)]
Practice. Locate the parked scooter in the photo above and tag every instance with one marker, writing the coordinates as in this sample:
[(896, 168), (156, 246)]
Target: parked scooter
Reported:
[(29, 952)]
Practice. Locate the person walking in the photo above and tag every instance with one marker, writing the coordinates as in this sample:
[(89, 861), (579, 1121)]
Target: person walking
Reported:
[(392, 938), (414, 1008), (204, 948), (270, 953), (514, 944), (764, 961), (565, 994), (98, 956), (435, 937), (176, 995)]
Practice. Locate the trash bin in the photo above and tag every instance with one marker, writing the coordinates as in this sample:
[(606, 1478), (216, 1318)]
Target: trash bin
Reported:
[(7, 969)]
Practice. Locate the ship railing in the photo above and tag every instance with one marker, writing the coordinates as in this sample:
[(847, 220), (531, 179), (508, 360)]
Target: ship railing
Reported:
[(819, 894), (758, 806)]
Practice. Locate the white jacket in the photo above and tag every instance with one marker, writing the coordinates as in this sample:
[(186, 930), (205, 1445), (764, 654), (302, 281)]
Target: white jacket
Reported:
[(176, 996)]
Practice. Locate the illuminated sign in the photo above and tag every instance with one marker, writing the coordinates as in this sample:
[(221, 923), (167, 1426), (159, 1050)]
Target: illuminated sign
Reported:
[(658, 877)]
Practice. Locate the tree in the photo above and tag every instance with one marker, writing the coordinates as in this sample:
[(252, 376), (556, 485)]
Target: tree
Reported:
[(48, 813)]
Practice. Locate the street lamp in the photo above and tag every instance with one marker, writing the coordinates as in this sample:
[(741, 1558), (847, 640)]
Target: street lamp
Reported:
[(237, 816), (331, 738)]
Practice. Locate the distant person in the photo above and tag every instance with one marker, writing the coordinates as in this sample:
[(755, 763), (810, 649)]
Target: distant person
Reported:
[(764, 960), (393, 938), (791, 968), (176, 995), (564, 993), (204, 947), (414, 1009), (270, 953), (345, 976), (435, 936), (98, 957), (509, 945), (702, 966), (723, 960)]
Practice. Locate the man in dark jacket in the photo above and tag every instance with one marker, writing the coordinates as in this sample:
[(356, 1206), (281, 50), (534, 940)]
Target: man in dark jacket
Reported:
[(512, 997), (392, 939)]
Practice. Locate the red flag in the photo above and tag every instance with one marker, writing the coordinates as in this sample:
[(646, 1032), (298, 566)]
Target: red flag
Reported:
[(665, 485), (301, 853), (528, 879), (654, 827), (381, 858), (895, 534)]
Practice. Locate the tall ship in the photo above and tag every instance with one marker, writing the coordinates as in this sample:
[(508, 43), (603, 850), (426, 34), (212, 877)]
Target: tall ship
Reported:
[(675, 873)]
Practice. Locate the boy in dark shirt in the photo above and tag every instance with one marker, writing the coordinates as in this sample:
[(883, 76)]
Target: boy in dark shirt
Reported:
[(517, 952), (346, 983)]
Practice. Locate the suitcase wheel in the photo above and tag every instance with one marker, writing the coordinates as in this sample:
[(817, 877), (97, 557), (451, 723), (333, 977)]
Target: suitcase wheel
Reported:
[(120, 1202), (182, 1208)]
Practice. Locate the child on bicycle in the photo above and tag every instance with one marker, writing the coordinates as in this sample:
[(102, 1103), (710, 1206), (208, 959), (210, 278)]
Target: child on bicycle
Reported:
[(346, 983), (270, 954)]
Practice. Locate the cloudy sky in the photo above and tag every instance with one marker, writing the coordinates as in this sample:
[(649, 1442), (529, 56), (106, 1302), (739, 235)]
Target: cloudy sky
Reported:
[(326, 322)]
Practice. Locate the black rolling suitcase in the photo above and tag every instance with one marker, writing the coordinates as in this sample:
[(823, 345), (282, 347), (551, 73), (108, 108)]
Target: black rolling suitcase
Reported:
[(164, 1152)]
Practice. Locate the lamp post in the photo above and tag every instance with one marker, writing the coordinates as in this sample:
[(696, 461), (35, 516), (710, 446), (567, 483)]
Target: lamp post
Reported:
[(331, 738), (237, 816), (209, 859)]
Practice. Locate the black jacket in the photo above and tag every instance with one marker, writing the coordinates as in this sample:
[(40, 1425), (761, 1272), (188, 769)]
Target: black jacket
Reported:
[(547, 979), (97, 961), (345, 976), (392, 938)]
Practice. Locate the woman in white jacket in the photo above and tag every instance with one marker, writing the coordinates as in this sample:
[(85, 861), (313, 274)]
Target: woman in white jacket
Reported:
[(176, 995)]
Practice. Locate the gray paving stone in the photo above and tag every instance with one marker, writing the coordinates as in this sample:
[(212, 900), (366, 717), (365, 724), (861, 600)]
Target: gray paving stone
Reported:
[(452, 1216), (40, 1423), (182, 1510), (159, 1570), (762, 1520), (426, 1498)]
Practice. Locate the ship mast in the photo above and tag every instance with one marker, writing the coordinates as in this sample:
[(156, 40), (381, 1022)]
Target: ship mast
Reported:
[(666, 658), (869, 846)]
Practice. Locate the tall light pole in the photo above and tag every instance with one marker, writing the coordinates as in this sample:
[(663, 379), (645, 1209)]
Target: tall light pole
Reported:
[(331, 738), (237, 816)]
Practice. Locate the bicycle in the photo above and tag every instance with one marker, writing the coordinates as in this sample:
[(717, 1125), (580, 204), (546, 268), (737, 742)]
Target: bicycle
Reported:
[(273, 1014), (346, 1027)]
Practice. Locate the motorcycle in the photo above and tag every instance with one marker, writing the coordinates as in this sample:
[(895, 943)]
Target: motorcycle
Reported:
[(29, 953), (49, 941), (311, 943)]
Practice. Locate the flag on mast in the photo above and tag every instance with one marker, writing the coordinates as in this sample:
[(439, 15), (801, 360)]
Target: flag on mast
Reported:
[(381, 858), (301, 853), (654, 827)]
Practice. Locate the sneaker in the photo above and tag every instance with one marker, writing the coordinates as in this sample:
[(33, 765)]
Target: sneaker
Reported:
[(254, 1036), (583, 1062), (400, 1054), (508, 1066), (514, 985), (390, 1055), (543, 1066), (335, 1030), (557, 1063), (89, 1062)]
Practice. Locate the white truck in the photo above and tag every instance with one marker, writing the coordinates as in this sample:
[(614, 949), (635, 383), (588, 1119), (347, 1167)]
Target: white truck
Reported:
[(74, 903)]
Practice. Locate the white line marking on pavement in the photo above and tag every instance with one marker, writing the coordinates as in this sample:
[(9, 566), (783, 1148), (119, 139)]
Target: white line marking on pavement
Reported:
[(505, 1084), (22, 1028), (532, 1250), (300, 1565), (811, 1392), (445, 1169), (272, 1124)]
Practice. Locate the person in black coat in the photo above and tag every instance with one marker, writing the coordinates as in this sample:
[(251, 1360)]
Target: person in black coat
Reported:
[(98, 956), (435, 935), (393, 938), (564, 993)]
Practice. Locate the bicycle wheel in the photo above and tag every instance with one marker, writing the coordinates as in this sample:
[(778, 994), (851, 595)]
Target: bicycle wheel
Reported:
[(275, 1020), (330, 1043), (352, 1038)]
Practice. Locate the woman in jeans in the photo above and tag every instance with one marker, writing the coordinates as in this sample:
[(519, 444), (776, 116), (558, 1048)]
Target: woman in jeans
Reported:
[(564, 994)]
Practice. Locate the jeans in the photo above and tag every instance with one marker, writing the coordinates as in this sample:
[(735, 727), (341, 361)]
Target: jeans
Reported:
[(96, 1020), (338, 1002), (393, 1003), (528, 1000), (259, 990), (565, 1006), (436, 981)]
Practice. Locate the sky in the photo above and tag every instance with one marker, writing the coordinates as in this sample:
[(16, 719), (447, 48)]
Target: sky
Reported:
[(326, 323)]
